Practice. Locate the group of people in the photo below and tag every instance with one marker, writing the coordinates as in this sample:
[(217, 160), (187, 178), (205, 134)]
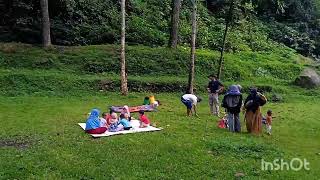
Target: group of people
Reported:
[(233, 104), (111, 122)]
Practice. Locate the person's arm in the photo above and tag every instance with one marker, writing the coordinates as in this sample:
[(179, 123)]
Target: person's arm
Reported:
[(221, 87)]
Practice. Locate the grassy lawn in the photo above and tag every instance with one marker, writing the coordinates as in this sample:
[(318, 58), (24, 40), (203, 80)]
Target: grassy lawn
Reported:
[(40, 139)]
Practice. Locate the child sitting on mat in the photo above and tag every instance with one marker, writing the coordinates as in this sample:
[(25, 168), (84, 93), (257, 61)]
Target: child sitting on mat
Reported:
[(124, 121), (144, 121), (125, 109), (114, 123), (103, 121)]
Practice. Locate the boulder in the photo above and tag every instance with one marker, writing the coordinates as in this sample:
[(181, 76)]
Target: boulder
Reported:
[(308, 79)]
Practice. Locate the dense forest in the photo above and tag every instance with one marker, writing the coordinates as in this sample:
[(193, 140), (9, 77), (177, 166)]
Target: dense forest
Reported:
[(254, 24)]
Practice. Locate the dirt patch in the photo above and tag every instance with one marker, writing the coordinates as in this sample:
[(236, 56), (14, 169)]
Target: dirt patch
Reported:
[(19, 143)]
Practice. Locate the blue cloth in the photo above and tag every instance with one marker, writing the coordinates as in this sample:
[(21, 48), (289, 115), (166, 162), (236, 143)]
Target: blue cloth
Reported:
[(233, 90), (125, 123), (93, 121), (187, 103), (113, 127)]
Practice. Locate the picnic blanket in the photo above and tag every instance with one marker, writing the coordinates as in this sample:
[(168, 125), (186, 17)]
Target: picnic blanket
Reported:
[(135, 129), (146, 108)]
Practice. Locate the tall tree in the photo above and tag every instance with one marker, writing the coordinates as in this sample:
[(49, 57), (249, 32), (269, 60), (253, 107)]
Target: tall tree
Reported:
[(173, 42), (124, 80), (46, 39), (228, 20), (193, 46)]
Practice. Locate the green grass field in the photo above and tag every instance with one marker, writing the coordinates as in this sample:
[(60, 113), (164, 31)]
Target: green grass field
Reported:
[(40, 139)]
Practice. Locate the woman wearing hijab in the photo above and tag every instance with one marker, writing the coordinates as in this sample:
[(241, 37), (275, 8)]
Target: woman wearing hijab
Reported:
[(253, 116), (126, 110), (93, 125), (232, 102)]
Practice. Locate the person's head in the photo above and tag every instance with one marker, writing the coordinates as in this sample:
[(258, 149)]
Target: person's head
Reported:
[(146, 98), (269, 112), (212, 77), (94, 113), (125, 108), (158, 102), (104, 114), (122, 116), (234, 90), (253, 91), (114, 115), (111, 111), (141, 112)]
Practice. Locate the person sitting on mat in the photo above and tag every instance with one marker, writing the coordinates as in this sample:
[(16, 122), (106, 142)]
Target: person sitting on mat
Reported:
[(108, 117), (93, 124), (124, 120), (144, 121), (103, 120), (190, 101), (125, 109), (115, 126)]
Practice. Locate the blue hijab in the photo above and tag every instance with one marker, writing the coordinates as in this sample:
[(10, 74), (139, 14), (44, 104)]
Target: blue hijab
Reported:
[(233, 90), (93, 121)]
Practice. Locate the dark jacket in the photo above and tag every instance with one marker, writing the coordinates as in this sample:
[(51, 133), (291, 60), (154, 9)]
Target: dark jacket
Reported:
[(232, 103)]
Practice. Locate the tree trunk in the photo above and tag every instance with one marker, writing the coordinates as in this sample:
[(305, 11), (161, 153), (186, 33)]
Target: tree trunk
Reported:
[(124, 81), (228, 21), (193, 46), (173, 42), (46, 39)]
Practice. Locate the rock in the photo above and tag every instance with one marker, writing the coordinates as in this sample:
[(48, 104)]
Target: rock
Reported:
[(239, 175), (276, 98), (308, 79)]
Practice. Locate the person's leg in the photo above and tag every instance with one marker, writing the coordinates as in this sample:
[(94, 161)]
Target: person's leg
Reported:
[(230, 121), (99, 130), (211, 104), (216, 104), (237, 122), (269, 129)]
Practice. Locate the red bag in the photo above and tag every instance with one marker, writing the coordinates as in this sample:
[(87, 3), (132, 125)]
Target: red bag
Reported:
[(221, 124)]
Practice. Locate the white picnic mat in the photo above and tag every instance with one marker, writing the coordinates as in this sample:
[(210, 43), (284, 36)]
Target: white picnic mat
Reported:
[(135, 129)]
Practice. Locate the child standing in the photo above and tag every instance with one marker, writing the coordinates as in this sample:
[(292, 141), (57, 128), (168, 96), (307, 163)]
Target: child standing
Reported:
[(144, 121), (269, 121)]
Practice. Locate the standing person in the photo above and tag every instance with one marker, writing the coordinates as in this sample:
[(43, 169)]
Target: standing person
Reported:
[(232, 101), (253, 116), (214, 87), (269, 121), (190, 101)]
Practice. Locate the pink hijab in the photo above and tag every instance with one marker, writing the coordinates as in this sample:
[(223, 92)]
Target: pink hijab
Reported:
[(126, 110)]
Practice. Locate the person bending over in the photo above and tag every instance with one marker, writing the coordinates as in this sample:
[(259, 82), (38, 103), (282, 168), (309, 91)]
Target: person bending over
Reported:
[(190, 101)]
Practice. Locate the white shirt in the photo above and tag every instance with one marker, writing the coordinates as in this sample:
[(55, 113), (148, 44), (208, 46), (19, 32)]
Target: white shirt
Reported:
[(191, 98)]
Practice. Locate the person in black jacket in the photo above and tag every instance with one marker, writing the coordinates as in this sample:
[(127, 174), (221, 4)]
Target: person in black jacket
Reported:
[(232, 102)]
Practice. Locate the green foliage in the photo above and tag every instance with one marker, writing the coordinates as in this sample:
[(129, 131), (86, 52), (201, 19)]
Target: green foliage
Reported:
[(26, 69)]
